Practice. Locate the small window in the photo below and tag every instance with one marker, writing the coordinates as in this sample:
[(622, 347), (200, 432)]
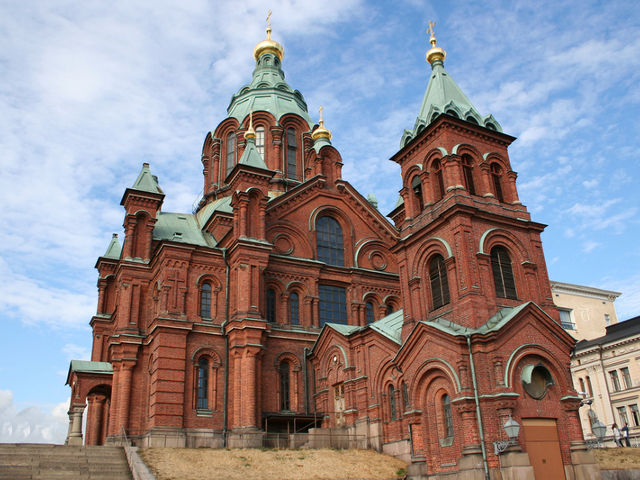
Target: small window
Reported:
[(405, 396), (294, 309), (260, 141), (607, 319), (503, 273), (439, 282), (292, 148), (438, 180), (496, 177), (416, 187), (589, 387), (390, 309), (333, 304), (231, 151), (203, 384), (393, 411), (271, 305), (565, 319), (369, 312), (615, 381), (284, 386), (329, 241), (447, 416), (467, 169), (635, 415), (205, 300), (582, 390), (626, 377), (622, 413)]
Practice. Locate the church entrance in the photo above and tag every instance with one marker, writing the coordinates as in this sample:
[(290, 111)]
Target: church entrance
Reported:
[(543, 447)]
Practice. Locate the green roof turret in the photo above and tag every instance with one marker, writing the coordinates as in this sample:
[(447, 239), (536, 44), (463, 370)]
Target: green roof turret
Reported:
[(444, 96), (251, 156), (114, 249), (146, 182), (268, 90)]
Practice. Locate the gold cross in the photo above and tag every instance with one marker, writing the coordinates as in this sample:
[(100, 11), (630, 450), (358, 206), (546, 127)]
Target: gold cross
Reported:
[(430, 29), (321, 115), (269, 19)]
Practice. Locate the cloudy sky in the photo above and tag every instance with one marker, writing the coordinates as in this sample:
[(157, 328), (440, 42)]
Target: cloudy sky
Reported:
[(90, 90)]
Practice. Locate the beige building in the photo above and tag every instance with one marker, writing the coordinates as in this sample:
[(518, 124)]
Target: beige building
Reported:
[(585, 312), (607, 370)]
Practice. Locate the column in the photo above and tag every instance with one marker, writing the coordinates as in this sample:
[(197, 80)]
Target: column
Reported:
[(75, 425)]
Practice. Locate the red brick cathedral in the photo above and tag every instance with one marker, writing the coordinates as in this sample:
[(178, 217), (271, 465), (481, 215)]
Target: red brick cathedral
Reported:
[(288, 303)]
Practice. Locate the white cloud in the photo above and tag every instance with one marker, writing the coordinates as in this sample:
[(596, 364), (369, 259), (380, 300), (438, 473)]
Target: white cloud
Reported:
[(32, 424)]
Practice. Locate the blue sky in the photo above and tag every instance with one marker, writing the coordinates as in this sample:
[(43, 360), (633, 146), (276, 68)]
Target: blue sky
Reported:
[(91, 90)]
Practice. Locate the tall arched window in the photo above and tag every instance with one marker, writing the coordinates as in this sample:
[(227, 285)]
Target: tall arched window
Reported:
[(260, 141), (203, 384), (292, 152), (416, 187), (467, 169), (231, 151), (496, 175), (205, 300), (589, 387), (284, 386), (369, 312), (438, 180), (271, 305), (329, 241), (393, 410), (582, 389), (503, 273), (439, 282), (405, 396), (390, 309), (446, 416), (294, 309)]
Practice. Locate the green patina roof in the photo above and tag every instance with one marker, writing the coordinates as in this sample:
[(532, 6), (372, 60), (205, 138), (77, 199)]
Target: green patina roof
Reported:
[(181, 228), (251, 156), (269, 92), (114, 249), (86, 366), (344, 329), (220, 205), (146, 182), (390, 326), (444, 96)]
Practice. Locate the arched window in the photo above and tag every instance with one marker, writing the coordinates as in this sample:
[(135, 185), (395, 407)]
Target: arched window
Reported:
[(329, 241), (203, 384), (292, 149), (438, 181), (205, 300), (439, 282), (231, 151), (467, 169), (446, 416), (390, 309), (369, 312), (260, 141), (405, 396), (294, 309), (393, 411), (416, 187), (503, 273), (284, 386), (271, 305), (496, 175), (582, 389)]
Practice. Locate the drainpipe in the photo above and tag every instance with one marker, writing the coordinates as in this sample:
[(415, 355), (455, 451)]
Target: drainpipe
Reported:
[(305, 374), (478, 413), (225, 414)]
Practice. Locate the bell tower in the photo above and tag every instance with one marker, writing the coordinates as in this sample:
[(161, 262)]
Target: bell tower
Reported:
[(469, 246)]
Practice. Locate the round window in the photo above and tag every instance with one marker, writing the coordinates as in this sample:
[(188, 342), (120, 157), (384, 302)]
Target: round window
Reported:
[(536, 380)]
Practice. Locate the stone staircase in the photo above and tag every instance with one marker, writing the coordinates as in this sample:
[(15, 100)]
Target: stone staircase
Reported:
[(31, 461)]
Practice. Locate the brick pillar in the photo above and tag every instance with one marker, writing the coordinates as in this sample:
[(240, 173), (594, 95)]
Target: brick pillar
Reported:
[(75, 425), (124, 397), (93, 421), (249, 391)]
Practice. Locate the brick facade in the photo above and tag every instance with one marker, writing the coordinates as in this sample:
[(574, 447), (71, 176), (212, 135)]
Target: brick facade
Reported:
[(219, 323)]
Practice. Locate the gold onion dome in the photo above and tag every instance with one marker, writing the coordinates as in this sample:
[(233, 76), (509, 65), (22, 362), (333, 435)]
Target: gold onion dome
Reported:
[(321, 132), (435, 53), (268, 45)]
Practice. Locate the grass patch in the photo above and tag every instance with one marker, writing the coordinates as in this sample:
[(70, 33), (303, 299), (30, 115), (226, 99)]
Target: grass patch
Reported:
[(250, 464)]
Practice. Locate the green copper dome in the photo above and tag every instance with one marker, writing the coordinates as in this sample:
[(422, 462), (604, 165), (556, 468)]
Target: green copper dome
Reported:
[(269, 92)]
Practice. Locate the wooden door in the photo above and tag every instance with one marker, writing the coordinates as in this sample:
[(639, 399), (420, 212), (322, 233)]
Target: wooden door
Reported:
[(543, 447)]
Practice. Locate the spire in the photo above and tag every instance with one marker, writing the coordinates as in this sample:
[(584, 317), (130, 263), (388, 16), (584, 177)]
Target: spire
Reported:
[(268, 90), (114, 249), (321, 136), (146, 182), (444, 96)]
